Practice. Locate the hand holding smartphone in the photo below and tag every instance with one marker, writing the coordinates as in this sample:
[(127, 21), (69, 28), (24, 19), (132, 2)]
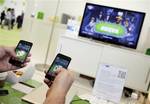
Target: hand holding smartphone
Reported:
[(22, 50), (60, 61)]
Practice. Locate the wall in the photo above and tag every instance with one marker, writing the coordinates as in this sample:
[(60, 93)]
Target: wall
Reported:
[(72, 7), (36, 30), (39, 31)]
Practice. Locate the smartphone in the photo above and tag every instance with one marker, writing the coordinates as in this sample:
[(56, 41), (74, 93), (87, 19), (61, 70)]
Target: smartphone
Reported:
[(60, 61), (3, 92), (22, 50)]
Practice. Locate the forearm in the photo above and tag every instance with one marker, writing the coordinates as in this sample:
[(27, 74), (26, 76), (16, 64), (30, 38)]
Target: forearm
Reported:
[(59, 88), (56, 98)]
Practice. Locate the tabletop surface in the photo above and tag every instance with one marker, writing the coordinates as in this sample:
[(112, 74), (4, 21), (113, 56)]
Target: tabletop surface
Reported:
[(14, 96)]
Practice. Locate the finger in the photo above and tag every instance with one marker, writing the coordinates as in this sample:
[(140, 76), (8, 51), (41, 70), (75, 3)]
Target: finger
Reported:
[(29, 55), (27, 60), (59, 70), (46, 80), (45, 71), (50, 84), (14, 67), (24, 65), (10, 51)]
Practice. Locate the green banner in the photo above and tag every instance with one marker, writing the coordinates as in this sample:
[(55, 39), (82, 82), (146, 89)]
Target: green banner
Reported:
[(110, 29)]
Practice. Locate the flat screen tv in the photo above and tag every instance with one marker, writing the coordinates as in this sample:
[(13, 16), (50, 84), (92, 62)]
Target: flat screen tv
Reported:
[(112, 25)]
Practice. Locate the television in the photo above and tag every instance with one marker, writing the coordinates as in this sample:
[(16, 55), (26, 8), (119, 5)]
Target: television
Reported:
[(112, 25)]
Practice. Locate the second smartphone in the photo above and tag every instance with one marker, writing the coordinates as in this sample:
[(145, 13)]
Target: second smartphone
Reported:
[(22, 50), (59, 61)]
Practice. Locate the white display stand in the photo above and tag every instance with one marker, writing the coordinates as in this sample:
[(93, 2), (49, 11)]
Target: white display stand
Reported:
[(87, 55)]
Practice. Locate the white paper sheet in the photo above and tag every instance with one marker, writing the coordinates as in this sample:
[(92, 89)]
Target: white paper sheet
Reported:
[(23, 88), (109, 83)]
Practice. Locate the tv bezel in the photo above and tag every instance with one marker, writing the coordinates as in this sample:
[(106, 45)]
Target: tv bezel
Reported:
[(108, 41)]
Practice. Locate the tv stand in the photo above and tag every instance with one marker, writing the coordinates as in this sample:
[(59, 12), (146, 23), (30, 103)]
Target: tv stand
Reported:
[(106, 43), (88, 55)]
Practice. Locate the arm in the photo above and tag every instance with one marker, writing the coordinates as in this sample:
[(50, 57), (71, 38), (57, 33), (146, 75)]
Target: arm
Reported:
[(59, 88), (55, 97)]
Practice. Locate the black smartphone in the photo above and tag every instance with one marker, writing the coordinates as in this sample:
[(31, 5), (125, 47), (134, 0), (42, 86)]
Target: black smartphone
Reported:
[(3, 92), (59, 61), (22, 50)]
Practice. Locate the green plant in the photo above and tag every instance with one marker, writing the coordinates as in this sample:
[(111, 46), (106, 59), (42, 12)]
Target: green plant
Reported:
[(148, 51)]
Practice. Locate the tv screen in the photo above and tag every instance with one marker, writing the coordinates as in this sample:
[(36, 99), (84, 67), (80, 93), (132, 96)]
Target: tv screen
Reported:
[(113, 25)]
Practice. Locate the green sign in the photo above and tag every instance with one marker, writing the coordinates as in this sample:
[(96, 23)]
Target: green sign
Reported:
[(40, 15), (148, 51), (110, 28), (2, 2)]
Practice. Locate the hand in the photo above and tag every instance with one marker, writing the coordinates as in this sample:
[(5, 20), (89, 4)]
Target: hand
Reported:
[(62, 81), (60, 85), (5, 54)]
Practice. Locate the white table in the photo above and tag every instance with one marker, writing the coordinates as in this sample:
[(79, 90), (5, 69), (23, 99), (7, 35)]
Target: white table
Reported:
[(37, 96), (80, 87)]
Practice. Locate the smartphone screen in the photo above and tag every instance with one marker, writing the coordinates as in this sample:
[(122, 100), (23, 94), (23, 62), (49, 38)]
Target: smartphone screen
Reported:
[(60, 61), (22, 50)]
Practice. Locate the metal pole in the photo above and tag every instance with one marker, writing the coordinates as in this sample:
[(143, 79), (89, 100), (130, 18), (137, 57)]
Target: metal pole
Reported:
[(51, 33)]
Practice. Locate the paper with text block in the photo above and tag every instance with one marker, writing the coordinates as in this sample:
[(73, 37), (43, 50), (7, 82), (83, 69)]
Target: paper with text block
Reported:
[(109, 83)]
